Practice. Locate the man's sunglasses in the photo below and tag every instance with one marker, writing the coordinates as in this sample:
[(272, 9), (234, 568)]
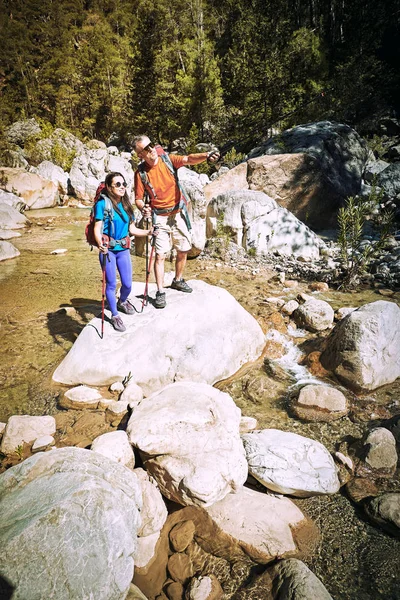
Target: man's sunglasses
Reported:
[(119, 184), (149, 148)]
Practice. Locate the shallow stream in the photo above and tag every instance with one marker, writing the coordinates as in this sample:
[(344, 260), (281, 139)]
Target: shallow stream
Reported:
[(45, 300)]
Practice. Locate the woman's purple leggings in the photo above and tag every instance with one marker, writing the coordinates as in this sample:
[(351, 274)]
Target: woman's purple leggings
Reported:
[(122, 261)]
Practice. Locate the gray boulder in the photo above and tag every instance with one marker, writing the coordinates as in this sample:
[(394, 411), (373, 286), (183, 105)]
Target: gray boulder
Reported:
[(385, 511), (68, 526), (293, 580), (389, 180), (340, 150), (364, 348), (373, 169), (20, 131), (60, 148)]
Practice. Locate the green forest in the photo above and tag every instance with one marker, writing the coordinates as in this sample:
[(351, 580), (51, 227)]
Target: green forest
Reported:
[(231, 69)]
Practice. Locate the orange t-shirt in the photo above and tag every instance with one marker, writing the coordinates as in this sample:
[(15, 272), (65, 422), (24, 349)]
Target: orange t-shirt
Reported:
[(163, 182)]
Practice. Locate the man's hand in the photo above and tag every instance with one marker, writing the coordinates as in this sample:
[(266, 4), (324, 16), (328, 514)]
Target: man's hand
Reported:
[(213, 157), (146, 211)]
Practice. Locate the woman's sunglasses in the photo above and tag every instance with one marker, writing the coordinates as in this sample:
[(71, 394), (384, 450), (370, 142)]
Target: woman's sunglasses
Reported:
[(119, 184)]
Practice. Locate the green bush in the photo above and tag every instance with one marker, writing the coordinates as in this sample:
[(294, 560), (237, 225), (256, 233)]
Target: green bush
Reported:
[(352, 218)]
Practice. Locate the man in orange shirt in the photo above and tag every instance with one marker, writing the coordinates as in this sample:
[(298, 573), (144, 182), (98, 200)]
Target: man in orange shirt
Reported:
[(165, 197)]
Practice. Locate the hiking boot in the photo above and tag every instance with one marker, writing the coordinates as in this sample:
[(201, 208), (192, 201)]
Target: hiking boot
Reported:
[(181, 286), (118, 323), (160, 300), (126, 307)]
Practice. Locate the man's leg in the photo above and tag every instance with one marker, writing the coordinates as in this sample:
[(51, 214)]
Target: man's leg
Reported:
[(180, 264), (159, 268), (181, 240)]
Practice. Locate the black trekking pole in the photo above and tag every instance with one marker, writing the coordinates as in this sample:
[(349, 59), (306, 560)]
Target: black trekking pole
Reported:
[(148, 267)]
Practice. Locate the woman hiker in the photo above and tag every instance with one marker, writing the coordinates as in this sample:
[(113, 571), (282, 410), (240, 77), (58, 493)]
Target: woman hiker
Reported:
[(112, 236)]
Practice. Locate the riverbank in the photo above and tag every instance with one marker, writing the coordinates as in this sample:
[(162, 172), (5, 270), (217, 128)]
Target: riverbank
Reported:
[(47, 299)]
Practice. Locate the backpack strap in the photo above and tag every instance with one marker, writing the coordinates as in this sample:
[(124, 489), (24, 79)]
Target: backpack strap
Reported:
[(108, 213)]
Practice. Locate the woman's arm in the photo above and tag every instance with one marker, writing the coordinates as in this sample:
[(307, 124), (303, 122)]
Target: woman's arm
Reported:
[(98, 237), (133, 230)]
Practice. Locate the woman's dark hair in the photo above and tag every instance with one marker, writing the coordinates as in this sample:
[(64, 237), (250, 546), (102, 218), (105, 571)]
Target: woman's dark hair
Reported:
[(126, 203)]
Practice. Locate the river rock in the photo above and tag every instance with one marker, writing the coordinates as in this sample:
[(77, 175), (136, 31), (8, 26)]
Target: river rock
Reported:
[(314, 314), (385, 511), (159, 347), (35, 191), (135, 594), (115, 445), (11, 218), (188, 437), (8, 234), (319, 403), (43, 442), (132, 394), (22, 429), (364, 348), (288, 463), (8, 250), (153, 516), (154, 512), (380, 450), (204, 588), (72, 516), (265, 526), (293, 580), (254, 220), (81, 397)]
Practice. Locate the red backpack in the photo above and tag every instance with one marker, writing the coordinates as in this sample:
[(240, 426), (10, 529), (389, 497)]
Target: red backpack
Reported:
[(108, 214)]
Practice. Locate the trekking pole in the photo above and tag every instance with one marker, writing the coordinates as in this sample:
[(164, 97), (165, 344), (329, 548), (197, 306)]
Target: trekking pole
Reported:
[(103, 291), (148, 268)]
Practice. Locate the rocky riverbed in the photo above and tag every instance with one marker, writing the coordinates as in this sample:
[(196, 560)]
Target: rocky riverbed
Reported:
[(47, 299)]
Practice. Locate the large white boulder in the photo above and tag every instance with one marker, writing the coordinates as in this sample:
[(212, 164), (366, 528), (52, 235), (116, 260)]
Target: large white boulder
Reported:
[(289, 463), (254, 220), (35, 191), (364, 348), (204, 336), (54, 173), (266, 526), (68, 526), (188, 437)]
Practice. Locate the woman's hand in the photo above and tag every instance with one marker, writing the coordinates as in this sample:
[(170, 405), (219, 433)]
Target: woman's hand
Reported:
[(103, 248)]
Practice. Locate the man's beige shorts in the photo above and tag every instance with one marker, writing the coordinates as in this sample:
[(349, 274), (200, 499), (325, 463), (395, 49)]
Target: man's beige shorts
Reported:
[(172, 230)]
